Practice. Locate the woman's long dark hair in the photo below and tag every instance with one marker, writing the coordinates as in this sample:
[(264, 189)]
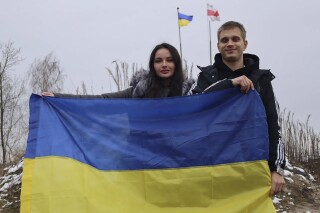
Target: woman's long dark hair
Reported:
[(156, 84)]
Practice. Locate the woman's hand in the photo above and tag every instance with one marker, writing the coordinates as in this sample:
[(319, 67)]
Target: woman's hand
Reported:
[(244, 83), (47, 94)]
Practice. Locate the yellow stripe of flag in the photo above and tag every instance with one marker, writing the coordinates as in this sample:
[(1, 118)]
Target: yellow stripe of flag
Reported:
[(74, 187)]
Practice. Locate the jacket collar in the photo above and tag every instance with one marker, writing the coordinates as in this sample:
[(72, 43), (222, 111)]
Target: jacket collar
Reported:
[(251, 63), (140, 82)]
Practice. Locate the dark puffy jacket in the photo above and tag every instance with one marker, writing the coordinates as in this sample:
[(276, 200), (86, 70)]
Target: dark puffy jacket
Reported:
[(218, 76)]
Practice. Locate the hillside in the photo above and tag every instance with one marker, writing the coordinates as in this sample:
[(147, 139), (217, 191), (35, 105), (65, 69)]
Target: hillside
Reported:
[(302, 193), (10, 187)]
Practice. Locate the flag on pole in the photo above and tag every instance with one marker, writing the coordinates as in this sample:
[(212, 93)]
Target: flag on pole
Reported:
[(208, 153), (213, 13), (184, 20)]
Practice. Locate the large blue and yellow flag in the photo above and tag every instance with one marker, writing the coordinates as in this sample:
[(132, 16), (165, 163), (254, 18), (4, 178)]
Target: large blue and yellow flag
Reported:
[(194, 154)]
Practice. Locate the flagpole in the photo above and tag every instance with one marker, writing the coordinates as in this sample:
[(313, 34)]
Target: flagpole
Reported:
[(210, 42), (213, 15), (179, 36)]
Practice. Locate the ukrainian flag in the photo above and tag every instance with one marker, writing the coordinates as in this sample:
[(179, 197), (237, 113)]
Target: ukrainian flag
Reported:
[(184, 19), (194, 154)]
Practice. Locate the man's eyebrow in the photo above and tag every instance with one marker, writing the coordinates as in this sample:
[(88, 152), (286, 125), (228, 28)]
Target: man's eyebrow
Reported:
[(225, 37)]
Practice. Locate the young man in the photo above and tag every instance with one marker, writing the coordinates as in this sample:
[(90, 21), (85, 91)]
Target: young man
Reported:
[(232, 67)]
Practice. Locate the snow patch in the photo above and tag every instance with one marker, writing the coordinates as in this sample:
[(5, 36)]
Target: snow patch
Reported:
[(302, 177), (289, 179), (16, 167), (311, 177), (276, 199), (299, 169), (288, 173)]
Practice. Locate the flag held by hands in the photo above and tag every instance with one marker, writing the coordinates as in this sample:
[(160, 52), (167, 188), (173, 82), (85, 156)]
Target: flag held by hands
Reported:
[(208, 153), (213, 14), (184, 20)]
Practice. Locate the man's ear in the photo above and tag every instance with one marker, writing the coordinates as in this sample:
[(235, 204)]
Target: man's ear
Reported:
[(245, 44)]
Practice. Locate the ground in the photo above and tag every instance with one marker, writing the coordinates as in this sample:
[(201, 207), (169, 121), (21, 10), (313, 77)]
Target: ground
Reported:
[(302, 193)]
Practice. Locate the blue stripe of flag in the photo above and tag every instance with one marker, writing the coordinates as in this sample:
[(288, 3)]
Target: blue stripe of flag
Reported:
[(132, 134), (186, 17)]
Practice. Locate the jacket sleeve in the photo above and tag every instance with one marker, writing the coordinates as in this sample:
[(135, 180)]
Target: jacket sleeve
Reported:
[(204, 85), (127, 93), (219, 85), (276, 147), (200, 85), (64, 95)]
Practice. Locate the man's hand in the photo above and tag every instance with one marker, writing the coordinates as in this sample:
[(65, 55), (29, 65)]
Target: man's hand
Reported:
[(244, 83), (277, 183)]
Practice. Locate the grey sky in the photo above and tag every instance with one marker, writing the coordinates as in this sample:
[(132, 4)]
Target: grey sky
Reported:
[(87, 36)]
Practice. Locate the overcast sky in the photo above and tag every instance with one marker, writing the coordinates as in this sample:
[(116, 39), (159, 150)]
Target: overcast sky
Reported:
[(86, 36)]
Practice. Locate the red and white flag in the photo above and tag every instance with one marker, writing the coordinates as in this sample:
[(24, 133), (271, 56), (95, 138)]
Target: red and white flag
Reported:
[(213, 13)]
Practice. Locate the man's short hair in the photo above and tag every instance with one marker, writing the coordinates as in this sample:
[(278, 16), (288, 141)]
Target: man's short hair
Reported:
[(231, 25)]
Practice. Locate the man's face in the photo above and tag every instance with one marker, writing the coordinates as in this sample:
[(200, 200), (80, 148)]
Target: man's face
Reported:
[(231, 45)]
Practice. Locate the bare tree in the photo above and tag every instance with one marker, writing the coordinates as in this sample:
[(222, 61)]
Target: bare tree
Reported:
[(46, 75), (11, 95)]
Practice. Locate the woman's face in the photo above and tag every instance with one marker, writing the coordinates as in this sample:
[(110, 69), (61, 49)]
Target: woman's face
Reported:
[(164, 64)]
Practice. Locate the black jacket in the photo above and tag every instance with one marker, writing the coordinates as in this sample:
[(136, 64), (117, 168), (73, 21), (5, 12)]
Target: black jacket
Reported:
[(217, 76)]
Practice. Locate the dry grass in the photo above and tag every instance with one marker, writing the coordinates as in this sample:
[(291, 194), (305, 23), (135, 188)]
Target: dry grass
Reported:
[(301, 141), (121, 74)]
